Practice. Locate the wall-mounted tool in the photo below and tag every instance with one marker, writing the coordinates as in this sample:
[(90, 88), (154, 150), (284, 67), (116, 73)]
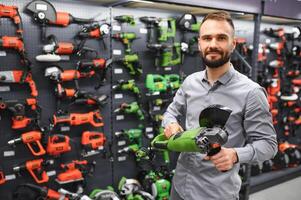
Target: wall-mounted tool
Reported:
[(131, 62), (44, 13), (35, 168), (75, 171), (129, 19), (19, 76), (126, 38), (74, 119), (133, 135), (94, 31), (33, 141), (131, 108), (56, 51), (21, 109), (152, 24), (128, 85), (132, 189), (92, 142), (13, 13), (58, 144)]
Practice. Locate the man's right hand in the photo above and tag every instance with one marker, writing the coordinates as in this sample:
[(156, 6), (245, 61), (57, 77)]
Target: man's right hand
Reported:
[(172, 129)]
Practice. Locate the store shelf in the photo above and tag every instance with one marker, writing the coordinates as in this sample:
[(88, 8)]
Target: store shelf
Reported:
[(266, 180)]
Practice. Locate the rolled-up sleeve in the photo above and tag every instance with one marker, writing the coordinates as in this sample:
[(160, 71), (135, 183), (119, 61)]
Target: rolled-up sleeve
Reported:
[(259, 128), (176, 109)]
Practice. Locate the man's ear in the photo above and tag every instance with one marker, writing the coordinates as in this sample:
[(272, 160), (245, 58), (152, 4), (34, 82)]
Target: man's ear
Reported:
[(234, 44)]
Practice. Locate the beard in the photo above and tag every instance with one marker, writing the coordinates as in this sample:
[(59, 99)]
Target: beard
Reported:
[(225, 57)]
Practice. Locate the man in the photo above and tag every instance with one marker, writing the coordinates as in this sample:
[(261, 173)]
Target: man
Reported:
[(198, 176)]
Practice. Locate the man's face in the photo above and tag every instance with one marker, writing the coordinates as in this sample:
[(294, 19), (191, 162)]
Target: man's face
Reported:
[(216, 42)]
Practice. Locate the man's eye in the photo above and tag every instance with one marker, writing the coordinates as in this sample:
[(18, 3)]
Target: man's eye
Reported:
[(222, 38), (207, 38)]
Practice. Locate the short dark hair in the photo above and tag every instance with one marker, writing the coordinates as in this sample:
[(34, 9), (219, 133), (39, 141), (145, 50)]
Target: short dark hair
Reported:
[(219, 16)]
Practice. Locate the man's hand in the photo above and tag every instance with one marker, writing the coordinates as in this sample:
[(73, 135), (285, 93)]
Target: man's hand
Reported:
[(224, 160), (172, 129)]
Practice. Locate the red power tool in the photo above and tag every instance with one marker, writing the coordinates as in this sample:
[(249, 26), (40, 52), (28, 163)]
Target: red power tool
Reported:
[(35, 168), (13, 13), (44, 13), (75, 171), (33, 140), (19, 76), (74, 119), (93, 143), (18, 108), (58, 144)]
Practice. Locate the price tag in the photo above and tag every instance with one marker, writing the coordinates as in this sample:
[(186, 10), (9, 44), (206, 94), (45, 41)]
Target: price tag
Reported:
[(149, 129), (118, 71), (8, 153), (65, 128), (156, 108), (121, 142), (121, 158), (51, 173), (116, 52), (118, 96), (120, 117), (143, 30), (4, 89), (167, 68), (10, 177), (3, 53), (116, 28), (150, 136)]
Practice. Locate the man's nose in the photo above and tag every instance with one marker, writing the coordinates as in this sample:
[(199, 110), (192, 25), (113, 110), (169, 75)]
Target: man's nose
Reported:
[(213, 43)]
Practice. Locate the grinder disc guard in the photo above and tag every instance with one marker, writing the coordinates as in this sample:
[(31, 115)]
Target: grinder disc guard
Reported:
[(214, 115)]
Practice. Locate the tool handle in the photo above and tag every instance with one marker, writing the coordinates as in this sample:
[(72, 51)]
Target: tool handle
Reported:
[(34, 167), (39, 150)]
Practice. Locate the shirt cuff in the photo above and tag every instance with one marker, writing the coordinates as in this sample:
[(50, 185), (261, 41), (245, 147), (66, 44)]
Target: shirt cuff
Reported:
[(244, 154)]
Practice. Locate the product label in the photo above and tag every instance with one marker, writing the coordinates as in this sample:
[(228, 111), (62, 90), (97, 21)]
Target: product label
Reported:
[(4, 88), (121, 158), (8, 153), (118, 71), (116, 28), (116, 52), (65, 128), (121, 142), (2, 53), (143, 30), (120, 117), (118, 96)]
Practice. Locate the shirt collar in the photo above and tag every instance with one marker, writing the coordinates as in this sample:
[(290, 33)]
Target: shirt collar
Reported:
[(224, 78)]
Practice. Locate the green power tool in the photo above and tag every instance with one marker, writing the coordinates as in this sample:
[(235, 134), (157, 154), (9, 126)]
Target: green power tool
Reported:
[(134, 135), (206, 139), (128, 85), (131, 62), (126, 38), (156, 83), (131, 108), (159, 186), (131, 189), (167, 29)]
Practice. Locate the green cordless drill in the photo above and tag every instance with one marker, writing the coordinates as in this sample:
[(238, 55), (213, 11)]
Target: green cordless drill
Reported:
[(128, 85), (126, 38), (125, 19), (132, 108), (131, 62)]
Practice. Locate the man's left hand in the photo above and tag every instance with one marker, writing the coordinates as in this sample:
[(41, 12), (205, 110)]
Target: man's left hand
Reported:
[(224, 160)]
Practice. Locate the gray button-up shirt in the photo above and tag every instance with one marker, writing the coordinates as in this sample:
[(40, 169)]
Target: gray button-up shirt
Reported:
[(198, 179)]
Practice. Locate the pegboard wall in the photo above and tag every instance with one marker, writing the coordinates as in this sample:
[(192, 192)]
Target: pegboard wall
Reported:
[(116, 160)]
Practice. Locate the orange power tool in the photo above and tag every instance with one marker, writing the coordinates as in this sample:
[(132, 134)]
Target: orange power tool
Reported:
[(19, 76), (58, 144), (33, 140), (13, 13), (75, 171), (74, 119), (18, 108), (35, 168), (93, 143)]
